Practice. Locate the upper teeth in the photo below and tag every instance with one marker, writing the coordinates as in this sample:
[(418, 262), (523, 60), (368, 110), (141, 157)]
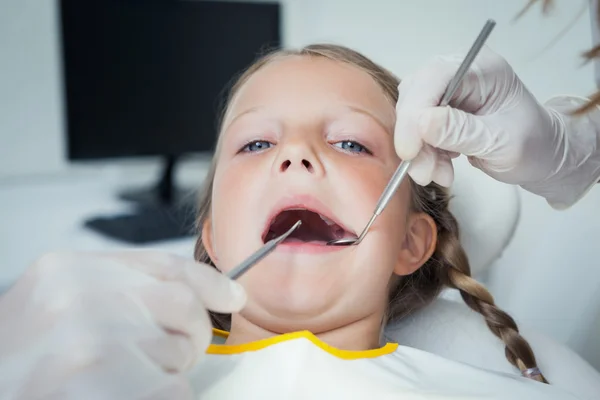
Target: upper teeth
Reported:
[(327, 220)]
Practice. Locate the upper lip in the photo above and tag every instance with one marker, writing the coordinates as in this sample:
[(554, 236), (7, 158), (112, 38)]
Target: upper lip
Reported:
[(304, 202)]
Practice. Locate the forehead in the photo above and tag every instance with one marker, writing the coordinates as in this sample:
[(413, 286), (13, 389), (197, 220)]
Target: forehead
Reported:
[(304, 84)]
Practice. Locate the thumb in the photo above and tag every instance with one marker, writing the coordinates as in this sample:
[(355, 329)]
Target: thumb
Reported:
[(407, 137), (446, 128), (217, 291)]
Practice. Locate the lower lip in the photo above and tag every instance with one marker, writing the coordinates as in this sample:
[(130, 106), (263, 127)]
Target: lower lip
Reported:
[(294, 246)]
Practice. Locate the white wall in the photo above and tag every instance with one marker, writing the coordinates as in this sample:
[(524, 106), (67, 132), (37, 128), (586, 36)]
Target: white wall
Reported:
[(31, 139), (402, 35)]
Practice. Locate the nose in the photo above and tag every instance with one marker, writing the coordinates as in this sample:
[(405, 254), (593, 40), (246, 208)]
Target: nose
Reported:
[(304, 163), (298, 156)]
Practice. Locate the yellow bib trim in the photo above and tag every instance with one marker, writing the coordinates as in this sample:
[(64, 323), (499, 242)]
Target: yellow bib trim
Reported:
[(223, 349)]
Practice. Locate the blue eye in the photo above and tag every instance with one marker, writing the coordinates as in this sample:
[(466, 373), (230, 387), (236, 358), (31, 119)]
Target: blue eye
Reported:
[(352, 146), (256, 145)]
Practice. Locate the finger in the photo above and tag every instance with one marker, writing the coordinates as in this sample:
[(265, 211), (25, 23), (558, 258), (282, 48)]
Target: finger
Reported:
[(217, 291), (173, 352), (443, 173), (403, 90), (422, 167), (159, 264), (426, 87), (480, 164), (423, 89), (44, 377), (124, 373), (162, 319), (176, 308), (407, 135), (453, 130)]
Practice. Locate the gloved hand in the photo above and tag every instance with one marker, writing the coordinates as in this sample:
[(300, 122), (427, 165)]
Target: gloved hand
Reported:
[(109, 326), (495, 121)]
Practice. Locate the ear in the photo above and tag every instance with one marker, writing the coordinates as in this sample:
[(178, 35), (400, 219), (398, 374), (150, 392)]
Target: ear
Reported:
[(208, 238), (419, 244)]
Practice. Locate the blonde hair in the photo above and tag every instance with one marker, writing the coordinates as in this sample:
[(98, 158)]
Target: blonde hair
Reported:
[(448, 266)]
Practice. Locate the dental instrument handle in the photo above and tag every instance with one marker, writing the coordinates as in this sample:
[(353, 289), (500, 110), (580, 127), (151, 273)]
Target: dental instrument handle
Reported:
[(466, 64), (260, 253), (404, 166), (402, 169), (391, 187)]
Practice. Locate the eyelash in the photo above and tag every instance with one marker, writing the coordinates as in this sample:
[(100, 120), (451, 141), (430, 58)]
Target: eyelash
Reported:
[(243, 149), (254, 141), (355, 143)]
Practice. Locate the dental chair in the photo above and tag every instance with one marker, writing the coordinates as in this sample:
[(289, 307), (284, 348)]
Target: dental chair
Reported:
[(488, 213)]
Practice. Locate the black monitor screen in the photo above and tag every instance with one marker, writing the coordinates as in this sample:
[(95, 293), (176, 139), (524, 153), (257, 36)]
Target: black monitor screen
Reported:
[(145, 77)]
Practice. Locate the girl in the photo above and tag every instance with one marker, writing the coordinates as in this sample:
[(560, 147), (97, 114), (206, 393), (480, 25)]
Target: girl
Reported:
[(308, 135)]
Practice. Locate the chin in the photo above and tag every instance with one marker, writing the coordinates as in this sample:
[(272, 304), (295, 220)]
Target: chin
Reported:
[(316, 299), (282, 319), (299, 299), (297, 277)]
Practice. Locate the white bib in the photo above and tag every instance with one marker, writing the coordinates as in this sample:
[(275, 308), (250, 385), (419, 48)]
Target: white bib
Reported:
[(300, 366)]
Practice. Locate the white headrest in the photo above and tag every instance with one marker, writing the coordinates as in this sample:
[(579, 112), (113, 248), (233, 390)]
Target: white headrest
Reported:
[(450, 329), (487, 211)]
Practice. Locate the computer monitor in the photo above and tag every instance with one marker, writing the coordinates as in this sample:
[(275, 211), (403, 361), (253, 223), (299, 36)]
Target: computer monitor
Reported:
[(146, 77)]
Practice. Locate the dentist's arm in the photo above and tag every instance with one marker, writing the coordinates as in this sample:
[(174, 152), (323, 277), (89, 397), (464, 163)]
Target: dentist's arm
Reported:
[(496, 122), (109, 325)]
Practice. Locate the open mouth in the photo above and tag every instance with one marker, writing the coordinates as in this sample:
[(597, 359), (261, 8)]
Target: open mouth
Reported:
[(315, 228)]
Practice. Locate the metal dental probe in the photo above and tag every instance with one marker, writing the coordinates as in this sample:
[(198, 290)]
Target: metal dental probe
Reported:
[(402, 169), (261, 253)]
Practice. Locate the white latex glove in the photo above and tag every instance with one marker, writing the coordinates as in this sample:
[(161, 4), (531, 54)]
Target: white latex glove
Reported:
[(500, 126), (109, 326)]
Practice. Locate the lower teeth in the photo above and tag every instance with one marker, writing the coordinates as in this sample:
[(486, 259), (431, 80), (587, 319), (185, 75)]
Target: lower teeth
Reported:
[(296, 240)]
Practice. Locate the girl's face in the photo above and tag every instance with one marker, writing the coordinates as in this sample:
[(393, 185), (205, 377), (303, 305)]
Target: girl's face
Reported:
[(311, 133)]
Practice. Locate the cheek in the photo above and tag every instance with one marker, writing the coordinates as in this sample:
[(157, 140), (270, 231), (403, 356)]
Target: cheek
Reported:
[(364, 183), (236, 198), (395, 216), (381, 249), (393, 223), (229, 182)]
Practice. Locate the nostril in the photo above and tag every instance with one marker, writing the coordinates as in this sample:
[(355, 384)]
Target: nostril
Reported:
[(307, 165), (285, 165)]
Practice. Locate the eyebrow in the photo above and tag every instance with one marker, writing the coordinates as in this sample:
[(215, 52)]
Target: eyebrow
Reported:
[(238, 116), (372, 116), (353, 108)]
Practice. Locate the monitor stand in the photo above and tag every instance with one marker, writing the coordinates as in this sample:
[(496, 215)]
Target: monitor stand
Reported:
[(161, 213), (164, 191)]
